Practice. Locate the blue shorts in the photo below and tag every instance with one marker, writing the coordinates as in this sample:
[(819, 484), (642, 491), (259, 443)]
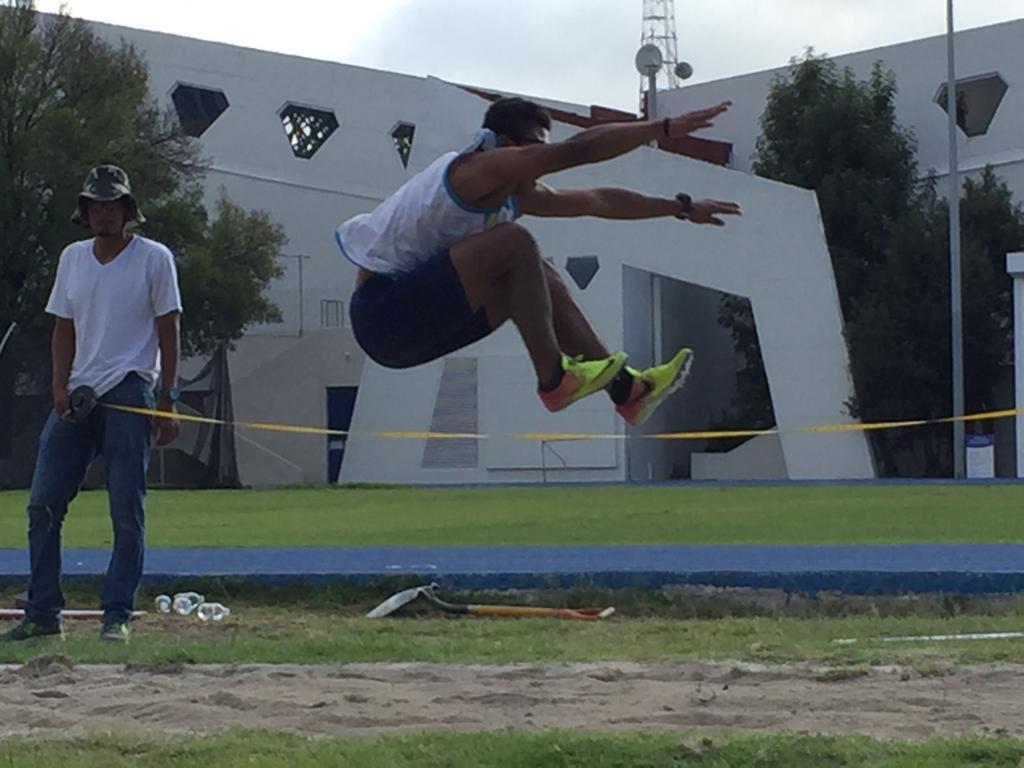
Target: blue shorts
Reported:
[(414, 317)]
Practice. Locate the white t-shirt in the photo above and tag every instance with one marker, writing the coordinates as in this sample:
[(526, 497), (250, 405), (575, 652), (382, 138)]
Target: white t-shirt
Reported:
[(114, 307)]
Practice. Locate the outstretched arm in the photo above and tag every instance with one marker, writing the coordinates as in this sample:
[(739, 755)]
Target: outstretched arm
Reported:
[(603, 202), (615, 203), (485, 174), (603, 142)]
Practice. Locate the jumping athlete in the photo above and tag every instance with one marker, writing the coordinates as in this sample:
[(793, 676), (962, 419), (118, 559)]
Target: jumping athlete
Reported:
[(442, 262)]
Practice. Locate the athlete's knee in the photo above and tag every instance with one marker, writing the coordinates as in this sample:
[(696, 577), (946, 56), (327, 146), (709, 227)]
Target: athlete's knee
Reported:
[(553, 275), (557, 286)]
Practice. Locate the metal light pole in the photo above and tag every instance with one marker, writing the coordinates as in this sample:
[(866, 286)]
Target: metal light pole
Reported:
[(956, 311), (656, 283), (649, 61), (652, 94)]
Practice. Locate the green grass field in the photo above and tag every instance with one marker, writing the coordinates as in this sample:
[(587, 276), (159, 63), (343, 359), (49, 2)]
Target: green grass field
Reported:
[(300, 623), (276, 635), (324, 625), (594, 515), (552, 749)]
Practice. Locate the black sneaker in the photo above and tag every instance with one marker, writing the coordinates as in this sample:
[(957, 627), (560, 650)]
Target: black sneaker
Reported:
[(27, 630), (116, 632)]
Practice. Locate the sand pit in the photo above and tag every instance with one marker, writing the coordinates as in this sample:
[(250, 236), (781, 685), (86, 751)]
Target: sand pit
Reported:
[(52, 697)]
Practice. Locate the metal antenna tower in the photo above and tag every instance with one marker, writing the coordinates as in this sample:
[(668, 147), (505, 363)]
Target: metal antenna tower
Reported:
[(659, 28)]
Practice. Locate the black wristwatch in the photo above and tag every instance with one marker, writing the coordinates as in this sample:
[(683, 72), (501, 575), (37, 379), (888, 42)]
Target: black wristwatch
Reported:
[(171, 394), (687, 204)]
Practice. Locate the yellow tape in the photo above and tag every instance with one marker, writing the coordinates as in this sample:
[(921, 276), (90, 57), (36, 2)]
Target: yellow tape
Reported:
[(413, 435), (261, 425), (552, 437), (713, 434), (983, 416), (864, 427), (555, 437)]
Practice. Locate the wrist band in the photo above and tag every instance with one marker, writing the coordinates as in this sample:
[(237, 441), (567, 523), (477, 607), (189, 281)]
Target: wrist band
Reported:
[(686, 202), (664, 126)]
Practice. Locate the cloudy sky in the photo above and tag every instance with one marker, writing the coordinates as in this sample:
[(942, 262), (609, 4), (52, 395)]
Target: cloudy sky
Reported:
[(578, 51)]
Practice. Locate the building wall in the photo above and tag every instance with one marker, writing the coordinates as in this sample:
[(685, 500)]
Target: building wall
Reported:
[(290, 383), (281, 371), (920, 69), (688, 318), (775, 255), (759, 458)]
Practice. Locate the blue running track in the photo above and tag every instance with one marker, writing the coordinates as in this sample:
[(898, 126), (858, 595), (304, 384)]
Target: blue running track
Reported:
[(963, 569)]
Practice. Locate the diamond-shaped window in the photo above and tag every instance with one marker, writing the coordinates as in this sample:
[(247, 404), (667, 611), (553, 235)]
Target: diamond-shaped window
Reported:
[(582, 269), (307, 128), (198, 107), (977, 99), (402, 135)]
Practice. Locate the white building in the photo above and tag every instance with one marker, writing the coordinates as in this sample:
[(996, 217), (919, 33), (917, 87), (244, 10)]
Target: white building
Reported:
[(990, 94), (990, 75), (242, 103)]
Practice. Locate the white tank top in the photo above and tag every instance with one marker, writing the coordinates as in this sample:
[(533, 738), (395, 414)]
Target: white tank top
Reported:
[(421, 219)]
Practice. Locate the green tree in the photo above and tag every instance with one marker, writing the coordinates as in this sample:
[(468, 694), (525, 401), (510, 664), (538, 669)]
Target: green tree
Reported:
[(69, 101), (751, 407), (887, 233), (900, 342), (824, 130), (225, 276), (992, 225)]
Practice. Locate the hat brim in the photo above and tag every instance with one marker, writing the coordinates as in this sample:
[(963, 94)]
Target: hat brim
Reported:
[(79, 218)]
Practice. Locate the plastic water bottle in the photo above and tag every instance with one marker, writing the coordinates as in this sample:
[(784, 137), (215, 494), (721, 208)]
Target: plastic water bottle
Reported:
[(163, 603), (186, 602), (213, 612)]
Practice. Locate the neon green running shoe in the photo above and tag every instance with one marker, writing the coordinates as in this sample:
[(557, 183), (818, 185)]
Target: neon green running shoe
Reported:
[(653, 385), (582, 378)]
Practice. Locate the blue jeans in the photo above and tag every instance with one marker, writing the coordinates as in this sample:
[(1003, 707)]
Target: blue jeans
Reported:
[(65, 451)]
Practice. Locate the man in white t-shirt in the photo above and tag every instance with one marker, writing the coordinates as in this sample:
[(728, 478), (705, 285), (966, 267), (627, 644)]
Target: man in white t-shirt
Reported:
[(116, 305)]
